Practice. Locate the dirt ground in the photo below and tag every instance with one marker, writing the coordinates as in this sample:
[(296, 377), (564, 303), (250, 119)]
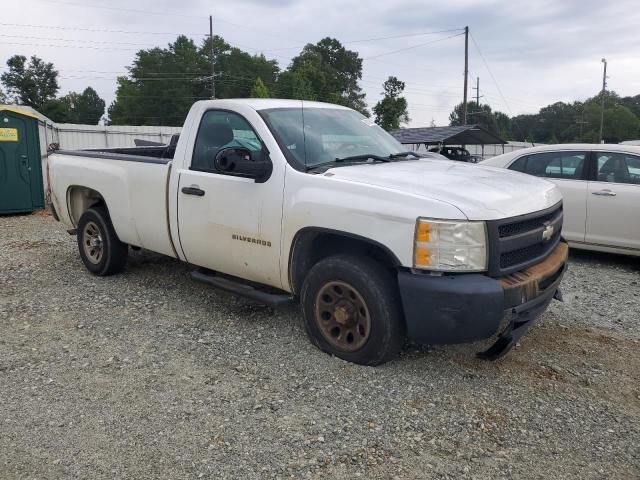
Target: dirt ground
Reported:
[(149, 375)]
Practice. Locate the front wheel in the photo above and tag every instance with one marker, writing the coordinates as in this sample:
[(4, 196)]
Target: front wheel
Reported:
[(352, 309), (101, 250)]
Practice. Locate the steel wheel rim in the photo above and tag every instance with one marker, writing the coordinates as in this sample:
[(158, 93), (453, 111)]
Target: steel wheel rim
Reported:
[(92, 242), (342, 316)]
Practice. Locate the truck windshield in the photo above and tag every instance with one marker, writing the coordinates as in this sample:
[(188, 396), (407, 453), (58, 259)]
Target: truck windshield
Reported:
[(318, 136)]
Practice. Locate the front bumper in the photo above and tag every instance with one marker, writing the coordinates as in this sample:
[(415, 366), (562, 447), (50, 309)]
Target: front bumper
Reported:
[(470, 307)]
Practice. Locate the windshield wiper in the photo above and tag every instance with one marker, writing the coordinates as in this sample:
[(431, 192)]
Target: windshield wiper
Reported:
[(405, 154), (352, 158), (378, 158)]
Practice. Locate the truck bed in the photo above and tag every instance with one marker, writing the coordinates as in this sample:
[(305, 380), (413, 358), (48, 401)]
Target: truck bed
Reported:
[(132, 182)]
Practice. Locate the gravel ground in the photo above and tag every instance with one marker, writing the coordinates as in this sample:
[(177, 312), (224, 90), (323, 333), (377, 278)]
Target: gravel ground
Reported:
[(149, 375)]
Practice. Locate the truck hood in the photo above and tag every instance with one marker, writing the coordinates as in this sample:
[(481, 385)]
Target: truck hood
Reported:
[(479, 192)]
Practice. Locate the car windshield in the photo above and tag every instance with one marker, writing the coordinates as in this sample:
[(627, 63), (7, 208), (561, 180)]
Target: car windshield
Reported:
[(318, 136)]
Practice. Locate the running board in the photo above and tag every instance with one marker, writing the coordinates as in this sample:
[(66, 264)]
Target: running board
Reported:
[(240, 288)]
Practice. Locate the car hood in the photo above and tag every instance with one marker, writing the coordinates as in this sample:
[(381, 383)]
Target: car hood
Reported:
[(480, 193)]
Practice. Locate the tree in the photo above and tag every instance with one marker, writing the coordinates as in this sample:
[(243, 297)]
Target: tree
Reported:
[(504, 127), (89, 107), (580, 121), (327, 71), (259, 89), (57, 110), (392, 111), (482, 115), (33, 83), (619, 122), (237, 70), (3, 98), (295, 85), (84, 108), (632, 103), (162, 85)]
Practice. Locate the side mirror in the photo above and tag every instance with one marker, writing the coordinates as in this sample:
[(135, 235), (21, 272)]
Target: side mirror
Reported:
[(242, 162)]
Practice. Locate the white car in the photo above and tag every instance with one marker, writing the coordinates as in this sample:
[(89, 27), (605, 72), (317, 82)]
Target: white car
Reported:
[(601, 189)]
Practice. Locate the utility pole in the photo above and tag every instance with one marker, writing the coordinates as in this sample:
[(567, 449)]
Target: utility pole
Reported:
[(604, 89), (581, 122), (213, 60), (466, 74), (478, 96)]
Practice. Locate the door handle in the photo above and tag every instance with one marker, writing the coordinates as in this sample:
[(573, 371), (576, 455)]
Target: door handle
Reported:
[(194, 190), (604, 193)]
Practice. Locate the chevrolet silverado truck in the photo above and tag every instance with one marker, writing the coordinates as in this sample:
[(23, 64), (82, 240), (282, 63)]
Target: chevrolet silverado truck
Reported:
[(288, 200)]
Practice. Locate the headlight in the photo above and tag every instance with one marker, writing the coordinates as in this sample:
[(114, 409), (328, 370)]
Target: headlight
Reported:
[(444, 245)]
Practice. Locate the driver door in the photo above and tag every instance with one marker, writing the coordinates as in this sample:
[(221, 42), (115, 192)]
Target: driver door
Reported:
[(228, 222)]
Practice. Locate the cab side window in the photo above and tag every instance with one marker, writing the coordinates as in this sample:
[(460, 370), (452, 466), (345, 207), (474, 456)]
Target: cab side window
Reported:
[(618, 168), (220, 129), (562, 165)]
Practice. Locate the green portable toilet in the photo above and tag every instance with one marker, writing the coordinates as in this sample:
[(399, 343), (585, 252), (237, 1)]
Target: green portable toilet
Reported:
[(21, 185)]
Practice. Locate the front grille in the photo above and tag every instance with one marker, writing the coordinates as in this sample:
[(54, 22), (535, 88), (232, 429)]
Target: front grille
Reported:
[(516, 257), (511, 229), (517, 243)]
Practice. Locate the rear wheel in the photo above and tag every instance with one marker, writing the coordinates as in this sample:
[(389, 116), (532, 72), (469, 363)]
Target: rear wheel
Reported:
[(352, 310), (101, 250)]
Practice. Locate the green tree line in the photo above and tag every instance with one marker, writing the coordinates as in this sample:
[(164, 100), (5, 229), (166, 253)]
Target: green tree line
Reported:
[(575, 122), (162, 83), (34, 83)]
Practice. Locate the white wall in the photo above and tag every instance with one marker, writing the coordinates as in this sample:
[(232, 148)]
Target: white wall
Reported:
[(74, 137)]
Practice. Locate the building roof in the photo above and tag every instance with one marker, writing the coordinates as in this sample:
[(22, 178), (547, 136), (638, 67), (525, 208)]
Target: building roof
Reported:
[(460, 135), (25, 111)]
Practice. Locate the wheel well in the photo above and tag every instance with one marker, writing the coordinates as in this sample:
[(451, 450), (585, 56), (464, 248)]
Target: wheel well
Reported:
[(312, 245), (80, 199)]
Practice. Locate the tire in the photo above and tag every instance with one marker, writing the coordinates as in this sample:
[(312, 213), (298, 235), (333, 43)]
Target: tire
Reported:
[(350, 297), (101, 250)]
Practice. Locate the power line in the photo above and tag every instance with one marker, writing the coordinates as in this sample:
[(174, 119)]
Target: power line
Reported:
[(100, 30), (69, 46), (418, 34), (102, 42), (120, 73), (375, 39), (152, 12), (412, 47), (495, 82), (146, 79), (105, 7)]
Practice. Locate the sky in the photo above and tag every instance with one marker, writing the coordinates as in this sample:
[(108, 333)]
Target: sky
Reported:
[(527, 54)]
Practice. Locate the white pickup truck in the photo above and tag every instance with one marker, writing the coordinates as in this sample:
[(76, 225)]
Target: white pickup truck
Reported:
[(281, 200)]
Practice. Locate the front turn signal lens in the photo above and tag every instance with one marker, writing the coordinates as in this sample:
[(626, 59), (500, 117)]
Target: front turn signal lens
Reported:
[(423, 233), (423, 256)]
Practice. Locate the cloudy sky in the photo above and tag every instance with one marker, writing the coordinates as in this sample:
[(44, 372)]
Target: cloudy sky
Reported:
[(535, 52)]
